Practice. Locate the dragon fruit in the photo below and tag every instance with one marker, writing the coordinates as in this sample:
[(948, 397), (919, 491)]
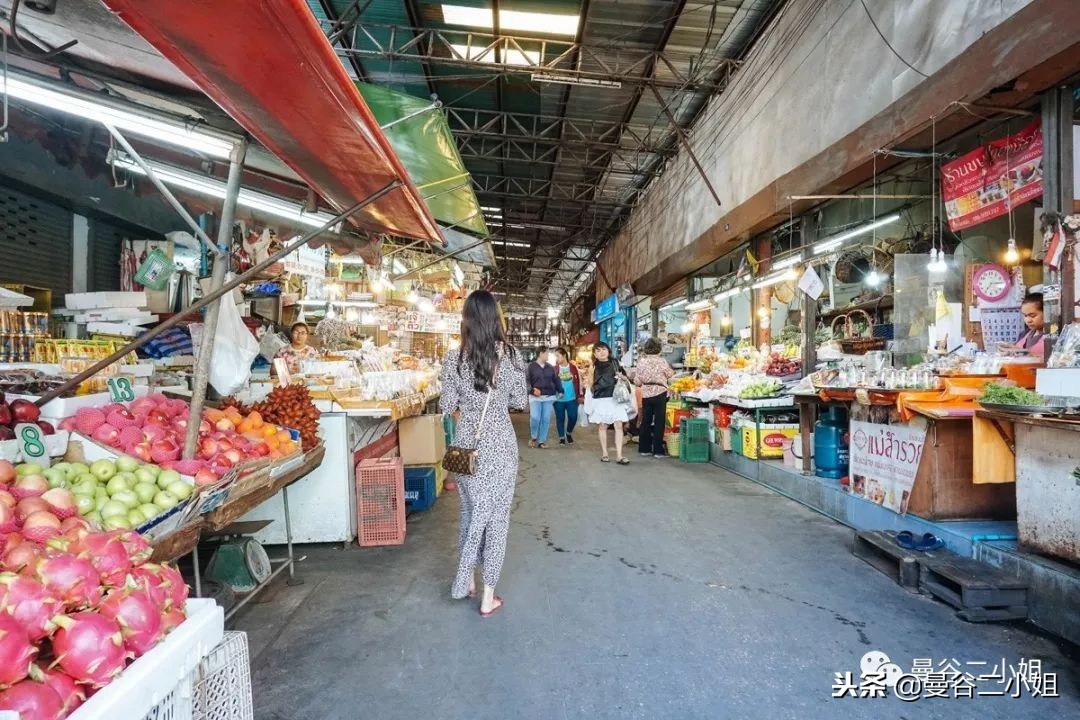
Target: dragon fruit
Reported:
[(175, 586), (171, 620), (71, 578), (149, 577), (33, 700), (71, 693), (108, 554), (16, 651), (90, 648), (30, 603), (138, 549), (138, 617)]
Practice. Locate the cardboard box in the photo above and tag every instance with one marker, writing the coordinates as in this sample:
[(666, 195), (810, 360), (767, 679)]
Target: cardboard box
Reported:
[(95, 300), (421, 440)]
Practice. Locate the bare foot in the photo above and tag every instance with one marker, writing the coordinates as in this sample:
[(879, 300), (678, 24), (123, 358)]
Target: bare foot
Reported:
[(492, 607)]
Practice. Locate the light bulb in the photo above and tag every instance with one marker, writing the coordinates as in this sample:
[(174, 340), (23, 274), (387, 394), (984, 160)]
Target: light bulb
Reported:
[(763, 312), (1011, 255), (413, 297), (933, 259), (939, 265), (873, 279), (725, 321)]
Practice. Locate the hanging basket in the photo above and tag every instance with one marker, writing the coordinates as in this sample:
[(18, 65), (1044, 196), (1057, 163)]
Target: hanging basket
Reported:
[(850, 343)]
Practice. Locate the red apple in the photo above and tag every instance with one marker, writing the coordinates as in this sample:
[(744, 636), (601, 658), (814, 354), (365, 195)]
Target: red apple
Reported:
[(46, 427), (261, 449), (6, 433), (234, 456), (205, 476), (208, 448), (25, 411), (142, 451), (5, 414)]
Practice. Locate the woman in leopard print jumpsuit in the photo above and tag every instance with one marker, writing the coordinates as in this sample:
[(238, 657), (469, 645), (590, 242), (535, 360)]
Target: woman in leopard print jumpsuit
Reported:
[(485, 497)]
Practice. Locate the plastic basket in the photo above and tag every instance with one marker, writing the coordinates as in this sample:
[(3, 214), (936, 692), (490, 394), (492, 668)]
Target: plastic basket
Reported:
[(672, 441), (421, 486), (380, 502), (694, 444), (222, 687)]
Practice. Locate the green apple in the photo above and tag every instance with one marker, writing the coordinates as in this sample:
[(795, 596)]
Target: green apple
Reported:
[(28, 469), (64, 467), (101, 492), (146, 492), (166, 478), (146, 474), (93, 515), (85, 487), (180, 489), (113, 508), (117, 522), (118, 483), (165, 500), (150, 510), (101, 500), (78, 468), (128, 497), (56, 478), (136, 517), (85, 503), (129, 476), (126, 463), (104, 469)]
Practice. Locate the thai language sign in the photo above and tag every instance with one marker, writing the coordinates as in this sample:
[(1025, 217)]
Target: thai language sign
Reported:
[(982, 184), (884, 461)]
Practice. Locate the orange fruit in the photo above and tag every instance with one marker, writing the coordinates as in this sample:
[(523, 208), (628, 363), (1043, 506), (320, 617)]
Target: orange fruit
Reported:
[(255, 418), (272, 442), (284, 436), (269, 431)]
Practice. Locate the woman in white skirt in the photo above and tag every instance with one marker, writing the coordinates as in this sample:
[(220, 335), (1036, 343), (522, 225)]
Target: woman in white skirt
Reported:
[(605, 410)]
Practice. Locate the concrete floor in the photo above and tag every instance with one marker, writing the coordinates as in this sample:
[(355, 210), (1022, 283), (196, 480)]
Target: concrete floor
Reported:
[(658, 590)]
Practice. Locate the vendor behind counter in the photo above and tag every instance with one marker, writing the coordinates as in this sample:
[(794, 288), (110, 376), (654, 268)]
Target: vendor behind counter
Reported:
[(298, 348), (1032, 337)]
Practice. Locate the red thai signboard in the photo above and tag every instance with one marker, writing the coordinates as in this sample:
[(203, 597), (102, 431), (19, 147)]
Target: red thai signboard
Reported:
[(982, 184)]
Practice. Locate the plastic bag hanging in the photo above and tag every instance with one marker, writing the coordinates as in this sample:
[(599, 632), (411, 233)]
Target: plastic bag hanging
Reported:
[(234, 350)]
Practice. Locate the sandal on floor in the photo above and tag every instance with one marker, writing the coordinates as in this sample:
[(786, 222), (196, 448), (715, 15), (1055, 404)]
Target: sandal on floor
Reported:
[(623, 461), (928, 542), (493, 610), (906, 539), (605, 459)]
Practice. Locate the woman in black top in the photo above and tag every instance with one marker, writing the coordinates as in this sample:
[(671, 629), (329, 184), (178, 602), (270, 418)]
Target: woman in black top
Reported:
[(605, 411)]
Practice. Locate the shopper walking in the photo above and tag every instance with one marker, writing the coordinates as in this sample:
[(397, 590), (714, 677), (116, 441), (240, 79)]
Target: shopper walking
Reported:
[(566, 406), (543, 383), (483, 381), (651, 375), (605, 409)]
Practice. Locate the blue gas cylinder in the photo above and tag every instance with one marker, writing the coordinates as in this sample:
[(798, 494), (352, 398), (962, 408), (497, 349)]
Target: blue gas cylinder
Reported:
[(831, 443)]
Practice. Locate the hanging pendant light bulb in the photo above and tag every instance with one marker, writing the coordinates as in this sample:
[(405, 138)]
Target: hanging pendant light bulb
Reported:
[(725, 321), (939, 266), (873, 278), (413, 297), (763, 312), (1012, 256)]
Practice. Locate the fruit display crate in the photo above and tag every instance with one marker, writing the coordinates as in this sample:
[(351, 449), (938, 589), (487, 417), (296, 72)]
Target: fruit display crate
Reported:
[(223, 682), (160, 684)]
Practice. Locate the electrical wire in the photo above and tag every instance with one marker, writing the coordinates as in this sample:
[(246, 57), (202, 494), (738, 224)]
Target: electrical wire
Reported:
[(887, 43)]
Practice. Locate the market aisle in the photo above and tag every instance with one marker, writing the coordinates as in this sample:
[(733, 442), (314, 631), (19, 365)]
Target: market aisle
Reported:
[(657, 590)]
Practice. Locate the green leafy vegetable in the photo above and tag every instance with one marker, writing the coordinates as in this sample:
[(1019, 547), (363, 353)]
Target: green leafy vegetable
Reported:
[(1002, 395)]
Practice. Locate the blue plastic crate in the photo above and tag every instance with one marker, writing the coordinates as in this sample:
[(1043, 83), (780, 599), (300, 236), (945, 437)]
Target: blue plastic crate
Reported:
[(420, 487)]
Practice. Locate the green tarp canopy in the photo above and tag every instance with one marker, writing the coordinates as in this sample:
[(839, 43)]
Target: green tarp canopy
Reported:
[(425, 146)]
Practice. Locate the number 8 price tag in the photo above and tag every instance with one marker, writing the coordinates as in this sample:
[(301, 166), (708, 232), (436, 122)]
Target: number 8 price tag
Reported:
[(32, 444)]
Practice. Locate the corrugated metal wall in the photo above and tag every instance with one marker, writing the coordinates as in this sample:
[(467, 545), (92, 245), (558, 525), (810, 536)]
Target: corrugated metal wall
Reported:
[(35, 242), (106, 241)]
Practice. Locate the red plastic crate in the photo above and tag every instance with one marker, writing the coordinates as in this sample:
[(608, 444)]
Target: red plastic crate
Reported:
[(380, 501)]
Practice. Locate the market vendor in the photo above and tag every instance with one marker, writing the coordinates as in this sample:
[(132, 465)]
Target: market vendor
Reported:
[(298, 349), (1031, 338)]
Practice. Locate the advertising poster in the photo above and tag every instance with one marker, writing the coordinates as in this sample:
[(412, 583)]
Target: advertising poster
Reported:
[(885, 456), (981, 185)]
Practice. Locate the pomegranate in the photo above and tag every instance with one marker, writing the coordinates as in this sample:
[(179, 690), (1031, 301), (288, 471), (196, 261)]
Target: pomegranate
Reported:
[(30, 603), (139, 618), (70, 692), (33, 701), (7, 472), (61, 502), (16, 651), (73, 579), (29, 486), (28, 506), (108, 554), (24, 411), (90, 648), (40, 526)]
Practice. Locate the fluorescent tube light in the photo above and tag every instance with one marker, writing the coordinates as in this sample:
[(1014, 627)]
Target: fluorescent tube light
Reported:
[(559, 79), (512, 20), (731, 292), (510, 243), (699, 305), (677, 303), (774, 279), (787, 262), (834, 242), (124, 116), (214, 188)]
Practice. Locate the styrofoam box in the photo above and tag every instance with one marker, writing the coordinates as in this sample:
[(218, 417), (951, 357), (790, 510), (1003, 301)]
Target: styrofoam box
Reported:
[(56, 444), (61, 408), (90, 300), (166, 670)]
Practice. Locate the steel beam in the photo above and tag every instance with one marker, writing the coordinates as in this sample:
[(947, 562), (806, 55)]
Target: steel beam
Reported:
[(501, 54), (540, 189), (571, 155)]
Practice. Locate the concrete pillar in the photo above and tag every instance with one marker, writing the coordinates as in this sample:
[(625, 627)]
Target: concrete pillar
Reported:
[(80, 253)]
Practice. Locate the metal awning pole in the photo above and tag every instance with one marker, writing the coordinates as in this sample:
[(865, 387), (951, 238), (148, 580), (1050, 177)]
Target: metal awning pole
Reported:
[(433, 106), (214, 295), (161, 188), (437, 260), (217, 278)]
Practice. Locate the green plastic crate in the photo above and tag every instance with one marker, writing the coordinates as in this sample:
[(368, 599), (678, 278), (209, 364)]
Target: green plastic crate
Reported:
[(694, 440)]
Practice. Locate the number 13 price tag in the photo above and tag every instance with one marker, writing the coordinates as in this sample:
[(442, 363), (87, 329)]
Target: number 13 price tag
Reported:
[(32, 444), (121, 390)]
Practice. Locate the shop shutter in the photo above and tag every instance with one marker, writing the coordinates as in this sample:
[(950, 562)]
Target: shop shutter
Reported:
[(35, 243), (106, 241), (675, 292)]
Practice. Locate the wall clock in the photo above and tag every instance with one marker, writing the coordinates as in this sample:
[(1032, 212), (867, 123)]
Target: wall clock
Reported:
[(991, 282)]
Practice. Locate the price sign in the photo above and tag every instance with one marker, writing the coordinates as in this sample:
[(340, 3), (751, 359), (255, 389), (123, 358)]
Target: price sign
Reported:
[(121, 390), (32, 444)]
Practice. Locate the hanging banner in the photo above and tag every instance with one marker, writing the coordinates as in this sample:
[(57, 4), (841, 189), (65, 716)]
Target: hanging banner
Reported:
[(981, 185), (432, 322), (885, 459)]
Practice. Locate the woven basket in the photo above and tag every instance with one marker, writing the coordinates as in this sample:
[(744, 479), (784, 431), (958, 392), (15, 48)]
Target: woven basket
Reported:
[(856, 345)]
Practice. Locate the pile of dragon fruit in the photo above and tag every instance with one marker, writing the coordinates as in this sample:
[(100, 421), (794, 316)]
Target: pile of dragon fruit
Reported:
[(76, 606), (152, 429)]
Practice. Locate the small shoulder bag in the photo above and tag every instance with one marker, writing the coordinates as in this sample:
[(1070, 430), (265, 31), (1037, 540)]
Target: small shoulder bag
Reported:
[(462, 460)]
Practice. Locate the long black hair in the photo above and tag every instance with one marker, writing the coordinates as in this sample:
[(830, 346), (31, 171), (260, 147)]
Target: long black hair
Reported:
[(482, 334)]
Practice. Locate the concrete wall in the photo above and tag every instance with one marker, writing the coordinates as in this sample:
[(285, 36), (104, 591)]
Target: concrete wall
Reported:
[(821, 92)]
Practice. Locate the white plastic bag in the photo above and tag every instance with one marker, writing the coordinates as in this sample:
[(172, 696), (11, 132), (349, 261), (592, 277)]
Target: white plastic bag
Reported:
[(235, 349)]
